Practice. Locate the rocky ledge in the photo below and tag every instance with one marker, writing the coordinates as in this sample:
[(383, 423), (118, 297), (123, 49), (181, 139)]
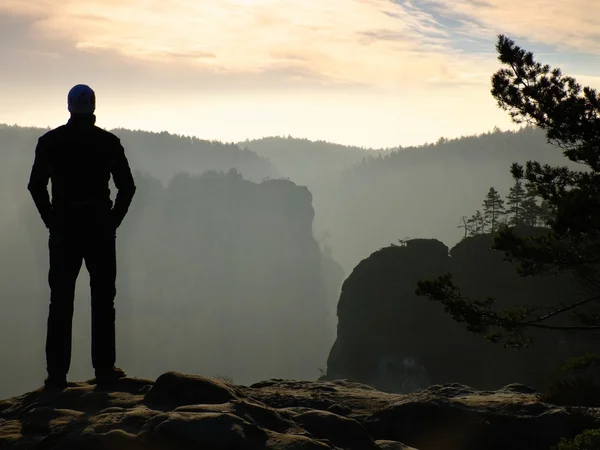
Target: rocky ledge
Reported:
[(182, 412)]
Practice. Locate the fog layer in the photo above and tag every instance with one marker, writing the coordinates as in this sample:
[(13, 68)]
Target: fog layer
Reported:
[(224, 269)]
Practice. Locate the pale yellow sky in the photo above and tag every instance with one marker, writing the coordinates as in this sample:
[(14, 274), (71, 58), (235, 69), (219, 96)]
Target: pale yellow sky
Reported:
[(374, 73)]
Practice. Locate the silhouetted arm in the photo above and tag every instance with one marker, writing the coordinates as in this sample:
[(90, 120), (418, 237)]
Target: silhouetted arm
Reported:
[(38, 183), (123, 179)]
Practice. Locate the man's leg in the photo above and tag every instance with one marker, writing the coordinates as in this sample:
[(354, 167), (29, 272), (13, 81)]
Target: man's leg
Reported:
[(65, 263), (101, 262)]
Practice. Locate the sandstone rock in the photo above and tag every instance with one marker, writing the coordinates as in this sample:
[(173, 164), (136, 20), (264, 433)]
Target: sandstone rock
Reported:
[(43, 419), (341, 431), (10, 432), (279, 441), (131, 420), (450, 417), (187, 412), (174, 389), (520, 388), (392, 445), (216, 431)]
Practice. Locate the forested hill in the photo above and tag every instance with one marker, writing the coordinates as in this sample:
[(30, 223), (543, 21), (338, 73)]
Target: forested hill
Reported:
[(422, 192), (294, 155), (496, 146), (161, 155), (164, 155), (364, 199), (305, 161)]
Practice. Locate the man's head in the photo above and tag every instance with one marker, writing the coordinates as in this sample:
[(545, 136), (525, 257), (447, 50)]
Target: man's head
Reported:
[(81, 100)]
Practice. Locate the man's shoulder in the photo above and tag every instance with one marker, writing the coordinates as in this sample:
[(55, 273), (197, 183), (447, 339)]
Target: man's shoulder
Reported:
[(100, 135), (52, 134), (106, 135)]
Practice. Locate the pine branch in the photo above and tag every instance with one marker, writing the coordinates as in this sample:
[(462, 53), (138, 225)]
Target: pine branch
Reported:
[(562, 310)]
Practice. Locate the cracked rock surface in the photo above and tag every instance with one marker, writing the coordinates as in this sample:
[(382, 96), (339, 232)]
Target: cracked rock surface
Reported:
[(179, 411)]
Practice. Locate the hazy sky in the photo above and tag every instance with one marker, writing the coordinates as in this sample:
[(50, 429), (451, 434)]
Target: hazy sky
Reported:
[(367, 72)]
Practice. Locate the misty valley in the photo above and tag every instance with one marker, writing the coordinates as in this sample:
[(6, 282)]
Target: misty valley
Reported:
[(232, 259)]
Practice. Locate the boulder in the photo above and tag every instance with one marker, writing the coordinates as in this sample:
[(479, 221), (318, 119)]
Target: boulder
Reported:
[(174, 389)]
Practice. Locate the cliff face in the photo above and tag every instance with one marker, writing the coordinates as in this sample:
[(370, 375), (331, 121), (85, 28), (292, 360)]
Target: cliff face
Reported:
[(387, 336), (233, 282), (394, 340)]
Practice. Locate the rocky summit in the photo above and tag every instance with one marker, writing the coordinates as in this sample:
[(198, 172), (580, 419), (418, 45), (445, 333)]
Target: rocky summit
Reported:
[(179, 411)]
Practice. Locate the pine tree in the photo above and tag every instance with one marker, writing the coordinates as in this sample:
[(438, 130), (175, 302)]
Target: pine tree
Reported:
[(464, 223), (493, 209), (544, 213), (476, 224), (531, 209), (514, 201), (536, 94)]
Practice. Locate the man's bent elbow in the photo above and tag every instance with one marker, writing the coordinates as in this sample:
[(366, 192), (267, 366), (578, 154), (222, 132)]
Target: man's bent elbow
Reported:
[(131, 191), (33, 189)]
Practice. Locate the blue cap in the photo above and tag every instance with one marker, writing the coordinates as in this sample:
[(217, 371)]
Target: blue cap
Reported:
[(81, 100)]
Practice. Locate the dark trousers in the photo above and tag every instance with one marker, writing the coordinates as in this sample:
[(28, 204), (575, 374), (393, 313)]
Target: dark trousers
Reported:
[(67, 252)]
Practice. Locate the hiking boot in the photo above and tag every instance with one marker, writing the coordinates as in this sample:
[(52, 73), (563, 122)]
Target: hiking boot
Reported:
[(55, 382), (109, 375)]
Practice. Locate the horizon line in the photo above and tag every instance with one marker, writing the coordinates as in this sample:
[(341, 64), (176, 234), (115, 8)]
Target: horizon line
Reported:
[(494, 129)]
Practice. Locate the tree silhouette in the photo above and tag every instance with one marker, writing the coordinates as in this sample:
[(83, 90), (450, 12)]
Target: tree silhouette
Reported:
[(464, 223), (493, 209), (476, 224), (514, 201), (544, 212), (536, 94), (530, 210)]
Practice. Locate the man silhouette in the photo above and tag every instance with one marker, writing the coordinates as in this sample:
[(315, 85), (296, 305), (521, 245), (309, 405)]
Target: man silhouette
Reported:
[(79, 159)]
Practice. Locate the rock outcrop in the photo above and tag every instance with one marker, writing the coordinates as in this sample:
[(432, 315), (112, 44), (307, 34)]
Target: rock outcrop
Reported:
[(190, 412), (381, 338), (392, 339), (235, 265)]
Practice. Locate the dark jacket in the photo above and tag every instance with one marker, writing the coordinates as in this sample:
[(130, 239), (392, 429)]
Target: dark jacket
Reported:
[(79, 159)]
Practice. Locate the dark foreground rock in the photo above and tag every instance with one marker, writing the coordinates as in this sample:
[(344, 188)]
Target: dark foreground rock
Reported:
[(192, 412)]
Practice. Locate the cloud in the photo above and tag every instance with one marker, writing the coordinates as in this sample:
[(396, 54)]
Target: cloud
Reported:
[(333, 44), (339, 42), (566, 25)]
